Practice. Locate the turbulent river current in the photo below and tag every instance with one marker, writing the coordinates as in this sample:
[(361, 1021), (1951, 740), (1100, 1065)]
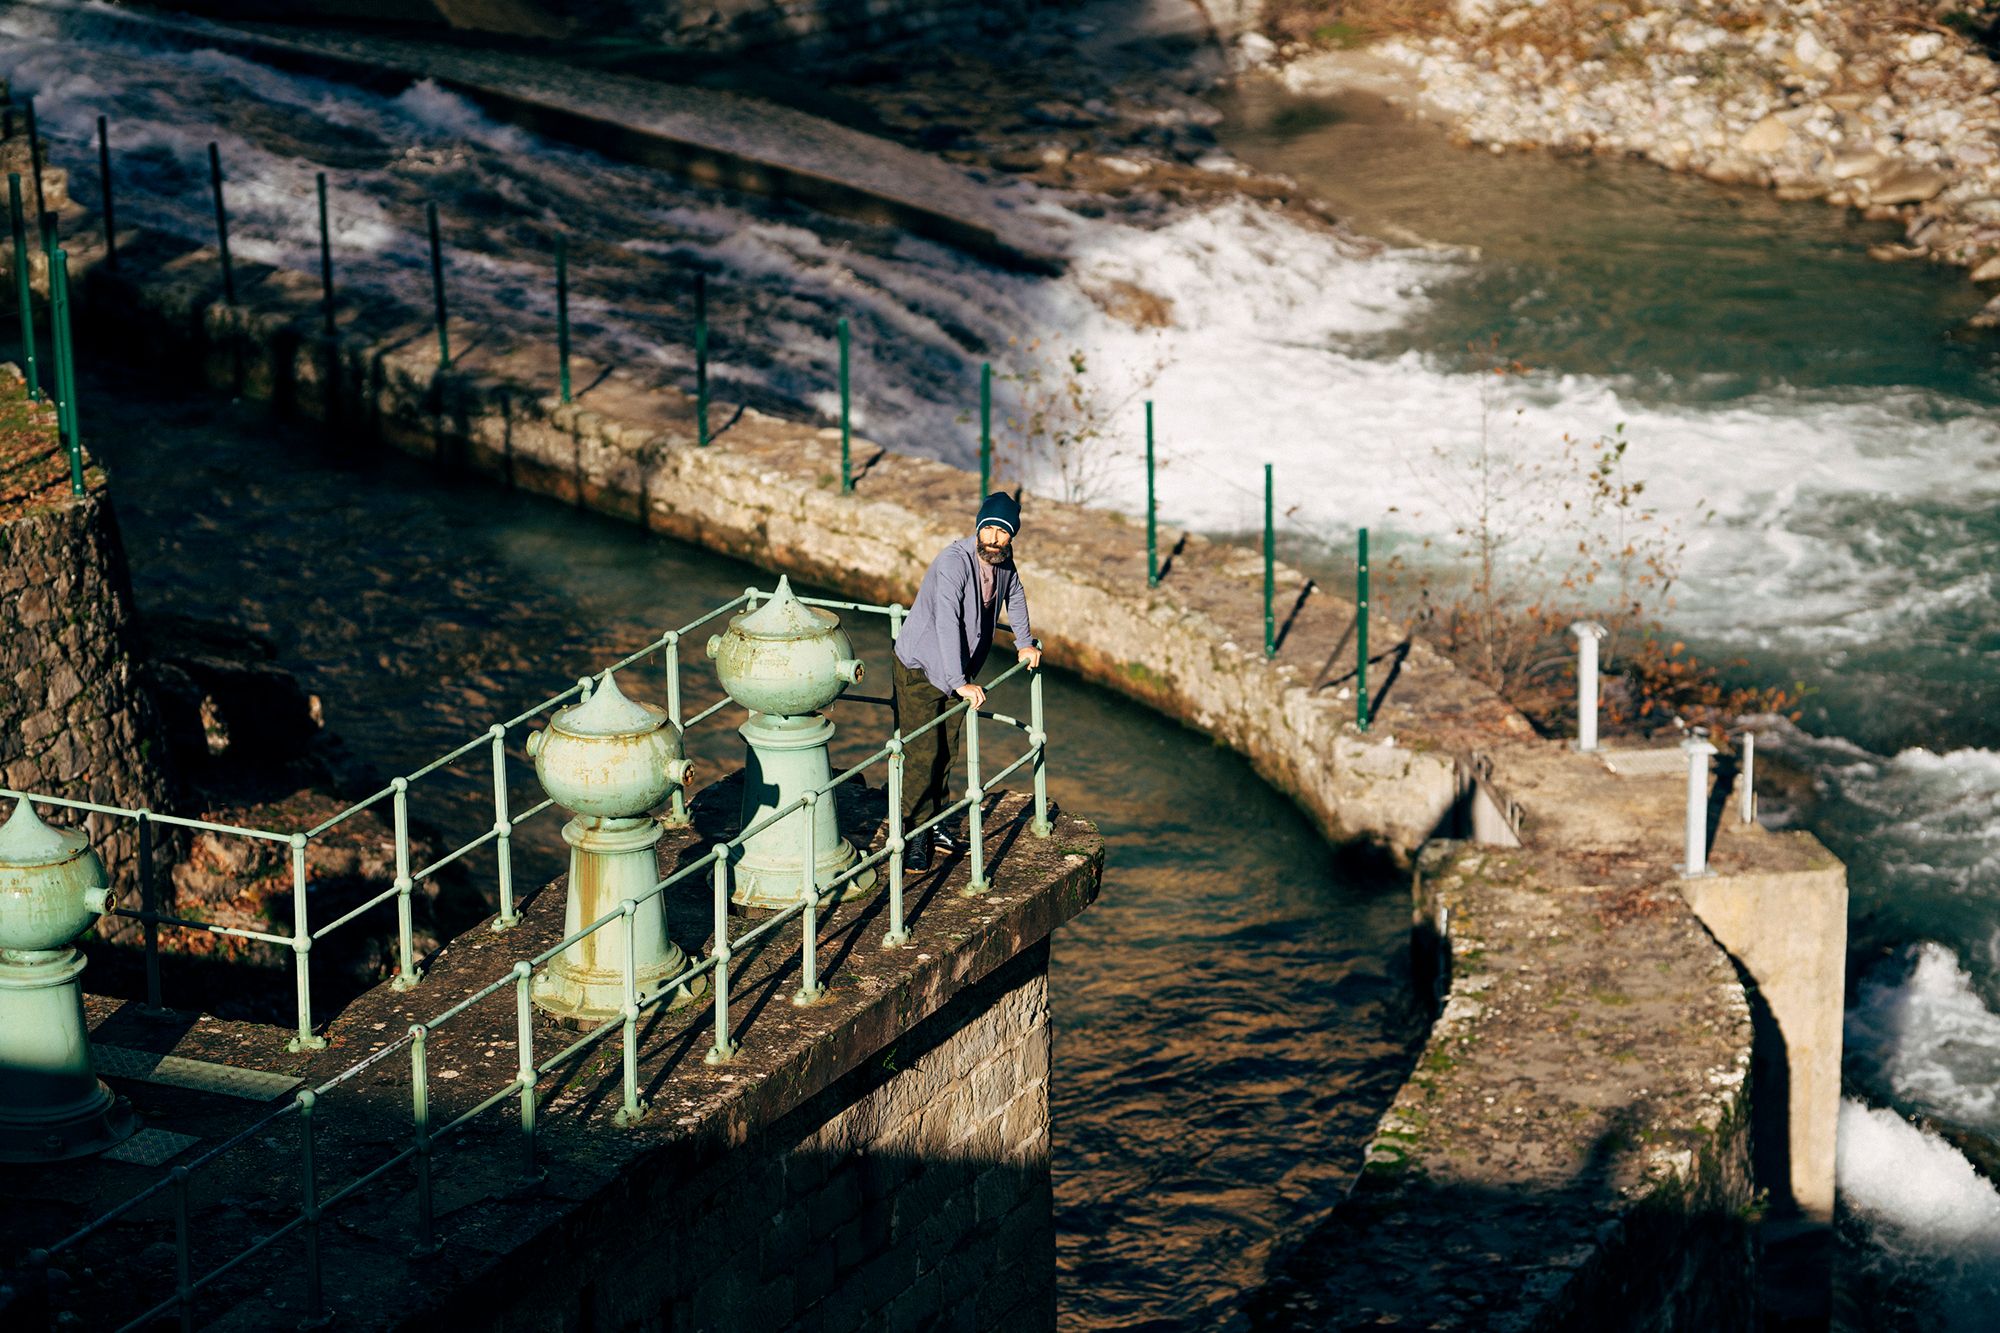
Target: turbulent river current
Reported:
[(1822, 439)]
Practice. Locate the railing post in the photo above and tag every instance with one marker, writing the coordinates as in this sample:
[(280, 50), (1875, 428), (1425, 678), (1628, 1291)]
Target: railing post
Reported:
[(65, 353), (678, 818), (1747, 798), (420, 1128), (720, 950), (985, 429), (407, 974), (562, 315), (325, 257), (1588, 633), (846, 434), (104, 183), (24, 292), (1270, 571), (899, 933), (975, 816), (503, 831), (302, 951), (1152, 509), (437, 283), (1038, 736), (810, 991), (701, 359), (316, 1312), (221, 225), (524, 1050), (183, 1251), (633, 1109), (1361, 700), (149, 909), (1695, 864)]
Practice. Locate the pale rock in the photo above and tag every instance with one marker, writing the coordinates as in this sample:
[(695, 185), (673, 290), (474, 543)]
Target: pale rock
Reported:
[(1905, 184), (1988, 270), (1849, 166), (1254, 51), (1988, 316), (1768, 135)]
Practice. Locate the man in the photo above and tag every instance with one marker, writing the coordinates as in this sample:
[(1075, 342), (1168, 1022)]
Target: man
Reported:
[(943, 644)]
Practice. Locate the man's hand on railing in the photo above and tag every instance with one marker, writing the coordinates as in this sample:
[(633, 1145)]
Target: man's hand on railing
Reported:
[(975, 693), (1030, 655)]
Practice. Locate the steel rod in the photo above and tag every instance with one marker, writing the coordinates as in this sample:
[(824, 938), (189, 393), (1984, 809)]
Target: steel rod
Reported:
[(503, 829), (1038, 736), (420, 1133), (846, 432), (899, 933), (1361, 708), (809, 988), (406, 966), (1152, 509), (562, 315), (632, 1110), (23, 286), (104, 188), (1748, 799), (985, 429), (309, 1210), (437, 283), (524, 1063), (721, 952), (302, 950), (325, 257), (701, 359), (65, 349), (975, 795), (1270, 571), (221, 225)]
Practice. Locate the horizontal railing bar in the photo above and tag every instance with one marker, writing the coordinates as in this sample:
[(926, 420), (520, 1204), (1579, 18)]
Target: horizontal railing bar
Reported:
[(238, 931), (155, 816), (257, 1246), (334, 925), (707, 713), (583, 1043), (445, 860), (483, 738), (540, 708), (766, 926), (865, 863), (492, 988), (988, 783), (354, 809), (513, 1089), (534, 810), (877, 608), (365, 1063)]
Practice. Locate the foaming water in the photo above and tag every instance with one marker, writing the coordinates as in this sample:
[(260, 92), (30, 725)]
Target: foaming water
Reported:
[(1928, 1039)]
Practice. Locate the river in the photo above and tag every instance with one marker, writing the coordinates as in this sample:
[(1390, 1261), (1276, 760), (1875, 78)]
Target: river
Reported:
[(1812, 423)]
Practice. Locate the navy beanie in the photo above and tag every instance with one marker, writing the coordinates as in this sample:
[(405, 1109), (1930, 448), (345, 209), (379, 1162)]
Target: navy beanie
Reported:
[(1002, 509)]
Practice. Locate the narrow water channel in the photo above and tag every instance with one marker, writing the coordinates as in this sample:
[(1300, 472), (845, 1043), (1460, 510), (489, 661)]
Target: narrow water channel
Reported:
[(1230, 1017)]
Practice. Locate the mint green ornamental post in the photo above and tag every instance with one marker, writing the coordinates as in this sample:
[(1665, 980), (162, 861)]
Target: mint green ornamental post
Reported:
[(52, 1105), (784, 662), (611, 760)]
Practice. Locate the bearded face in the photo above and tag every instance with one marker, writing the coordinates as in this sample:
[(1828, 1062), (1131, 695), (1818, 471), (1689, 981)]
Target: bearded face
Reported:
[(995, 543)]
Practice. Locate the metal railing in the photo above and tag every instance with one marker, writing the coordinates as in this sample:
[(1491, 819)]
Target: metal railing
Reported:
[(530, 1069)]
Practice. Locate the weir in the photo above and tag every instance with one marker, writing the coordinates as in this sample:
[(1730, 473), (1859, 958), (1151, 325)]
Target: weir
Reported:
[(1651, 1149)]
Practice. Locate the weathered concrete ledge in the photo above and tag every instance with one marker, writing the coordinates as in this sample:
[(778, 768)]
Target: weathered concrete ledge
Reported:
[(1444, 755), (861, 1163)]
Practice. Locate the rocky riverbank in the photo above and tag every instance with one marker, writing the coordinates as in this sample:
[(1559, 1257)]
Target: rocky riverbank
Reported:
[(1883, 107)]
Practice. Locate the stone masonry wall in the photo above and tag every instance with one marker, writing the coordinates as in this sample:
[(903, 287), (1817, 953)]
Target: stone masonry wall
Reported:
[(73, 719)]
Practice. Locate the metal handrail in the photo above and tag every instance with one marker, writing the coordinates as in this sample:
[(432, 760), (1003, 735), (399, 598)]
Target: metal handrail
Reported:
[(716, 963)]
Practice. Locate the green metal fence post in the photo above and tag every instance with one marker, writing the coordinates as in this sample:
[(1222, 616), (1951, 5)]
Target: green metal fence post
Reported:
[(35, 165), (1152, 509), (24, 294), (420, 1130), (562, 314), (66, 358), (524, 1062), (1361, 636), (1270, 571), (104, 182), (701, 359), (309, 1211), (985, 430), (57, 312), (325, 258), (437, 284), (846, 435), (221, 224)]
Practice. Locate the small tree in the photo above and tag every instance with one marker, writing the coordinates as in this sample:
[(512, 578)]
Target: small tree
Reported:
[(1058, 436)]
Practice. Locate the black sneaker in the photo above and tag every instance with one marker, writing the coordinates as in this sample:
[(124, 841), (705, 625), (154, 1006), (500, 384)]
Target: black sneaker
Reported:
[(917, 853), (945, 840)]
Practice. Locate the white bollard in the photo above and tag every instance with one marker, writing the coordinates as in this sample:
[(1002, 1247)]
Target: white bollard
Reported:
[(1748, 778), (1698, 752), (1587, 632)]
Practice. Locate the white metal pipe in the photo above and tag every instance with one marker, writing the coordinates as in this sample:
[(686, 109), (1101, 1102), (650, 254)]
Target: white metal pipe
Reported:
[(1748, 779), (1698, 752), (1588, 633)]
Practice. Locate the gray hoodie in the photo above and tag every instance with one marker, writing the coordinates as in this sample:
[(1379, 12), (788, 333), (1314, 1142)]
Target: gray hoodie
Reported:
[(950, 631)]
